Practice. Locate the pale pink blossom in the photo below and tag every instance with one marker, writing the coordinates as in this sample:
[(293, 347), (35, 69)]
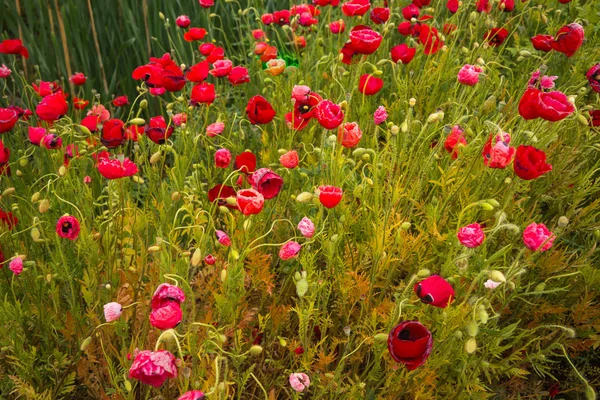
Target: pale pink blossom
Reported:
[(100, 111), (380, 115), (299, 381), (5, 71), (490, 284), (469, 74), (215, 129), (306, 227), (300, 93), (180, 118), (112, 311), (289, 250)]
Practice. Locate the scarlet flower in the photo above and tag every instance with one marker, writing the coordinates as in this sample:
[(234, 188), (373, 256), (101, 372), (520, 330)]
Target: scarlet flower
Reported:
[(245, 162), (8, 219), (369, 84), (270, 53), (289, 250), (80, 104), (194, 34), (421, 3), (499, 155), (250, 201), (435, 290), (483, 6), (258, 34), (8, 119), (542, 42), (267, 19), (429, 37), (167, 316), (537, 237), (530, 163), (259, 110), (92, 122), (157, 130), (551, 106), (329, 114), (221, 68), (410, 343), (323, 3), (206, 3), (402, 53), (266, 182), (120, 101), (593, 77), (46, 88), (153, 367), (449, 28), (568, 39), (337, 27), (13, 46), (452, 6), (282, 17), (202, 93), (330, 196), (496, 36), (364, 39), (112, 133), (192, 395), (349, 134), (115, 168), (411, 11), (380, 15), (52, 107), (160, 73), (506, 5), (210, 259), (68, 227), (221, 193), (453, 141), (290, 159), (354, 8), (197, 72), (183, 21), (4, 158), (238, 76), (165, 292), (78, 79), (471, 236)]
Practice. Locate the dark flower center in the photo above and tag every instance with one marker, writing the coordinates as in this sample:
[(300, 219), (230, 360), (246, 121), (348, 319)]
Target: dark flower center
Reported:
[(66, 227), (404, 334)]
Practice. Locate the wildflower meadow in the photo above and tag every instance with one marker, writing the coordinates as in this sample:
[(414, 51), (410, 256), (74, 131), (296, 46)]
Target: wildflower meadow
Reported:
[(317, 199)]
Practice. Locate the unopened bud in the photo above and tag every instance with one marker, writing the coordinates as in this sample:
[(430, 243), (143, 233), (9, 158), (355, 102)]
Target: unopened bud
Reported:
[(563, 221), (86, 342), (35, 197), (44, 206), (412, 101), (8, 191), (155, 157), (223, 275), (497, 276), (304, 197), (255, 350), (153, 249), (175, 196), (137, 121), (381, 337), (423, 273), (405, 226), (62, 170), (143, 104), (471, 346), (196, 258), (472, 329)]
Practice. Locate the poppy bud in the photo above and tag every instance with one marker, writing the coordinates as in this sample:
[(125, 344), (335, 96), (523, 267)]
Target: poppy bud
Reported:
[(423, 273), (35, 234), (381, 337), (483, 316), (304, 197), (223, 275), (497, 276), (301, 287), (255, 350), (86, 342), (196, 258), (471, 346), (137, 121), (155, 157), (563, 221), (405, 226), (62, 170), (472, 329), (44, 206), (153, 249), (486, 206), (35, 197)]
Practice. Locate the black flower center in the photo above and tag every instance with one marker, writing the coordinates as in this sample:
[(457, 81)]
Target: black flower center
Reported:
[(404, 334), (66, 227)]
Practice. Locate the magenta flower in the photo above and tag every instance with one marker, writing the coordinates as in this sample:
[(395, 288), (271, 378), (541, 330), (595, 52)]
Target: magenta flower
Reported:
[(380, 115), (537, 237), (166, 292), (469, 74), (223, 238), (266, 182), (289, 250), (215, 129), (222, 158), (153, 367), (471, 235), (16, 265), (67, 227)]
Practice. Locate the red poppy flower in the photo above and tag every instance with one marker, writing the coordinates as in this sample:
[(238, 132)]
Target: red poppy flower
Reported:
[(304, 110), (78, 79), (364, 39), (4, 158), (183, 21), (165, 292), (452, 6), (221, 193), (68, 227), (157, 130), (206, 48), (421, 3), (330, 196), (80, 104), (202, 93), (266, 182), (453, 141), (13, 46), (245, 162), (238, 76), (153, 367), (551, 106), (167, 316), (411, 11), (120, 101), (348, 53), (369, 84), (402, 53), (215, 55), (259, 110), (337, 27), (568, 39), (8, 219), (483, 6), (8, 119), (133, 132), (52, 107), (449, 28), (496, 36), (267, 19), (506, 5), (430, 38), (435, 290), (349, 134), (555, 388), (46, 88), (542, 42), (115, 168), (593, 77), (92, 122), (282, 17), (112, 133), (530, 163), (329, 114), (270, 53), (405, 28), (410, 343), (323, 3), (250, 201), (51, 141), (197, 72), (354, 8), (173, 79), (24, 114), (500, 154), (380, 15), (595, 118), (161, 73), (194, 34)]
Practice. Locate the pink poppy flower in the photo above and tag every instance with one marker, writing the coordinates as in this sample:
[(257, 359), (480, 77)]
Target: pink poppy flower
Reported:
[(471, 235), (537, 237), (469, 74), (223, 238), (215, 129), (153, 367), (16, 265), (490, 284), (289, 250), (250, 201), (68, 227), (167, 316), (112, 311), (222, 158), (299, 381), (349, 134), (380, 115), (306, 227), (192, 395), (266, 182)]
